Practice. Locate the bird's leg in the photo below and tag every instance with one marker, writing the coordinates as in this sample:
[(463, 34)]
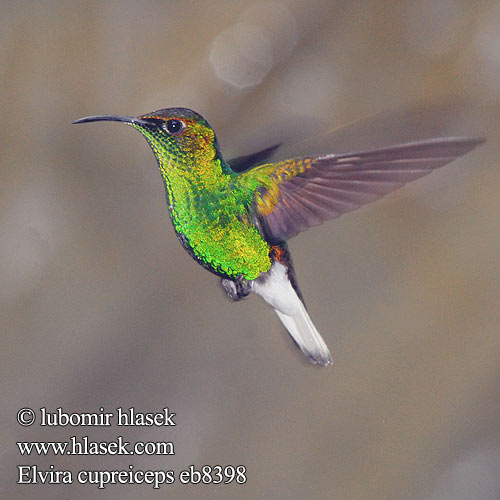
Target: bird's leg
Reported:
[(236, 289)]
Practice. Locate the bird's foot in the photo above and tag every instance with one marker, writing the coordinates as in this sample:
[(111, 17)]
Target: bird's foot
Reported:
[(236, 289)]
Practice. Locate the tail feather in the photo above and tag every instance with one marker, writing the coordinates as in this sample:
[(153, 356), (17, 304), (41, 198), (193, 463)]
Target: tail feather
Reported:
[(304, 333), (277, 290)]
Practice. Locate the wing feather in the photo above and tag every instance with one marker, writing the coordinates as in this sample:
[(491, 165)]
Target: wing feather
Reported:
[(296, 194)]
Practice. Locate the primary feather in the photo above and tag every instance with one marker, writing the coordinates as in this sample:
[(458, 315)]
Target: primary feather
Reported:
[(299, 193)]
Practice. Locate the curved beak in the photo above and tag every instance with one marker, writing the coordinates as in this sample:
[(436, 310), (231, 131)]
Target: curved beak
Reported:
[(113, 118)]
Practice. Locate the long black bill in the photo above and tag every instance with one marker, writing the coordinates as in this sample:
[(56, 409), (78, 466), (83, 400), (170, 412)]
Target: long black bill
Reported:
[(112, 118)]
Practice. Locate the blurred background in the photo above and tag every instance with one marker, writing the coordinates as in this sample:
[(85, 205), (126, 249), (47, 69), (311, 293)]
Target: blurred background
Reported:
[(100, 305)]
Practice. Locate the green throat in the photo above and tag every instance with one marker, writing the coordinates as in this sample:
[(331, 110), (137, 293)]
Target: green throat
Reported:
[(211, 211)]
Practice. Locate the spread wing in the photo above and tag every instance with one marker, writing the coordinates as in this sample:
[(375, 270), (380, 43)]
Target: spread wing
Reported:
[(296, 194)]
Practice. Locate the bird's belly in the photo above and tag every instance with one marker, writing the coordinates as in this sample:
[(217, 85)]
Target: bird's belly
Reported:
[(228, 247)]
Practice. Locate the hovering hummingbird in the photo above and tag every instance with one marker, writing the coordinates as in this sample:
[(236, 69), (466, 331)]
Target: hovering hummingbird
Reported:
[(235, 217)]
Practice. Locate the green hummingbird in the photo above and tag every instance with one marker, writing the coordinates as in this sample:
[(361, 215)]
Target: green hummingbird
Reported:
[(235, 217)]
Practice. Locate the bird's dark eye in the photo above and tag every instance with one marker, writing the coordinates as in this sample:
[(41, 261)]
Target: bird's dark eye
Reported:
[(174, 126)]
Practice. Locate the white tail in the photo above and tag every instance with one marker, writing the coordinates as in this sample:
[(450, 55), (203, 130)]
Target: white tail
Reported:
[(275, 288)]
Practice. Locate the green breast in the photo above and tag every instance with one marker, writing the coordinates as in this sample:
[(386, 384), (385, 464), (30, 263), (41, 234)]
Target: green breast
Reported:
[(214, 224), (208, 203)]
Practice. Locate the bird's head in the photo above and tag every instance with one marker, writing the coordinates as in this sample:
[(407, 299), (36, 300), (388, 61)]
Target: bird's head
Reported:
[(179, 137)]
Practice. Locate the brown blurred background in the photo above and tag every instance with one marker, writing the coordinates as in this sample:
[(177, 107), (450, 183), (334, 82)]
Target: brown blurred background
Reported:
[(100, 305)]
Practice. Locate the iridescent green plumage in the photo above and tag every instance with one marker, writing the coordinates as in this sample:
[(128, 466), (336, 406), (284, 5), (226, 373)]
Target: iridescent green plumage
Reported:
[(210, 206), (235, 221)]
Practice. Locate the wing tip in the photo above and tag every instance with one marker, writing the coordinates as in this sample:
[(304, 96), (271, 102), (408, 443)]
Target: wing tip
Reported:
[(467, 143), (474, 141)]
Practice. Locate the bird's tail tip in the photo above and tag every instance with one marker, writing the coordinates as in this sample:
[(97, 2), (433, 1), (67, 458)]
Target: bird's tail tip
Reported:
[(306, 336)]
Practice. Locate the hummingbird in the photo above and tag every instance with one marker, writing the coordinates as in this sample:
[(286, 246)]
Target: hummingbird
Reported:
[(235, 217)]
